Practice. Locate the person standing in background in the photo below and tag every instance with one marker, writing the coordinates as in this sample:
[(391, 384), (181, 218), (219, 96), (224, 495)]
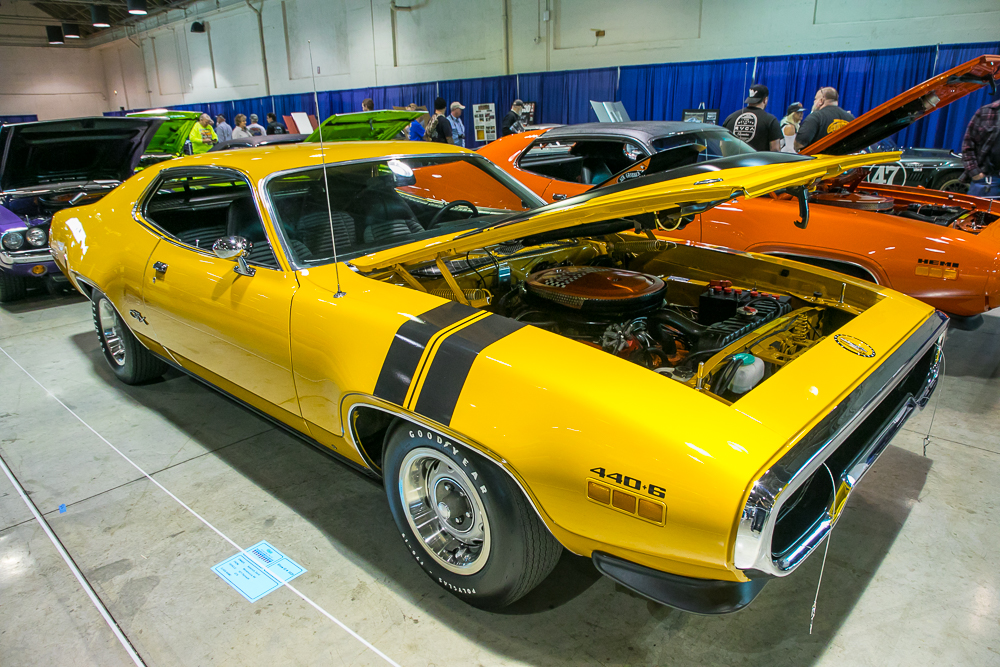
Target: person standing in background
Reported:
[(255, 128), (826, 118), (753, 125), (240, 131), (457, 126), (511, 123), (368, 104), (202, 136), (222, 128), (790, 127), (417, 131), (438, 128), (981, 151), (273, 126)]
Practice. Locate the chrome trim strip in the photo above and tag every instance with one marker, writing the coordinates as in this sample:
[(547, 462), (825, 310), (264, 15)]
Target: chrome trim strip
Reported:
[(752, 548)]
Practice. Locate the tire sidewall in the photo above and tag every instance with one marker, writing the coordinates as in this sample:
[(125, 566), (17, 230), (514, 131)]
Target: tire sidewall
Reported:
[(125, 372), (492, 584)]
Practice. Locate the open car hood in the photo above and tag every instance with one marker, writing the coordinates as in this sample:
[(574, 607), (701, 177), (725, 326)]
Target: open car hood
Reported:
[(686, 195), (170, 138), (886, 119), (365, 126), (51, 152)]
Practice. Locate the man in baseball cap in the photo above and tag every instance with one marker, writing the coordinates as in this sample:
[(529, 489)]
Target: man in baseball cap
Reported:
[(457, 126), (754, 125)]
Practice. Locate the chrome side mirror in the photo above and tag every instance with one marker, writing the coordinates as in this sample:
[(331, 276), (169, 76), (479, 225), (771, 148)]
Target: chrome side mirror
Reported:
[(238, 248)]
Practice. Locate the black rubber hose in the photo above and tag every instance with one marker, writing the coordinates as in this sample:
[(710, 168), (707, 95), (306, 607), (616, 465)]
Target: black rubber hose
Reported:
[(689, 328)]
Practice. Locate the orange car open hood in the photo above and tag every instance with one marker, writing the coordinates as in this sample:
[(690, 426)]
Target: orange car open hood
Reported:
[(902, 110)]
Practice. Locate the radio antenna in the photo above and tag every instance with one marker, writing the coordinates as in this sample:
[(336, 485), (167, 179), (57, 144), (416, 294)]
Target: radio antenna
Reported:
[(326, 182)]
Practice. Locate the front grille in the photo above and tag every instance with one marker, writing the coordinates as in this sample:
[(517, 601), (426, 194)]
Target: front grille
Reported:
[(811, 507)]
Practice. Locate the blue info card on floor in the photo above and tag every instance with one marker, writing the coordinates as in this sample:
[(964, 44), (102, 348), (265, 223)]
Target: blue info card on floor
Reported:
[(259, 571)]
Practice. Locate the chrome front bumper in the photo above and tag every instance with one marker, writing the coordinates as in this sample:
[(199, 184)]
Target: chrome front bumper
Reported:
[(9, 260), (863, 424)]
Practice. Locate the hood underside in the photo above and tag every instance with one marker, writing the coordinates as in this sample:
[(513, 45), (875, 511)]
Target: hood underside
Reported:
[(170, 138), (364, 126), (692, 193), (901, 111), (69, 151)]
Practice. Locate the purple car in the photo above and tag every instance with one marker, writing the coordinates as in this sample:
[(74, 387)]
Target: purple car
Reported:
[(50, 165)]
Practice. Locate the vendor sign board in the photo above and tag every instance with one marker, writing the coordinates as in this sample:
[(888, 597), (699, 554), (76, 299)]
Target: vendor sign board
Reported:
[(484, 119)]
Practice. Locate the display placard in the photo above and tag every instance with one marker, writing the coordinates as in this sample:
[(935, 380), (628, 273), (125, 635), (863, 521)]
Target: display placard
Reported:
[(484, 119), (710, 116)]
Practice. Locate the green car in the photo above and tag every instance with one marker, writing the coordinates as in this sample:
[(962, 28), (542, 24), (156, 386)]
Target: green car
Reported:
[(171, 140)]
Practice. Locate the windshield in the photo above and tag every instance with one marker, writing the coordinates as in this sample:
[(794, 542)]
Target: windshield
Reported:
[(718, 143), (380, 204)]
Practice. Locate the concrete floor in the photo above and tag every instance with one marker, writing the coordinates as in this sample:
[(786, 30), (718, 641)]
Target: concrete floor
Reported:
[(912, 576)]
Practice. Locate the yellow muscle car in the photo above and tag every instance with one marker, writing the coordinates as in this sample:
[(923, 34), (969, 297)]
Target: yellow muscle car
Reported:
[(524, 378)]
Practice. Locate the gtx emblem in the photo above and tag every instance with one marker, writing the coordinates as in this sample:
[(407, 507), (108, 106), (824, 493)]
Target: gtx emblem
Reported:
[(855, 345)]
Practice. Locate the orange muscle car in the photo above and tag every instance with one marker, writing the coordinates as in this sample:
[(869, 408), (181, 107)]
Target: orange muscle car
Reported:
[(940, 247)]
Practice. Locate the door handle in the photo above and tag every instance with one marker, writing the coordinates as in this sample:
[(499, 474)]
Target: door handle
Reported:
[(160, 267), (559, 197)]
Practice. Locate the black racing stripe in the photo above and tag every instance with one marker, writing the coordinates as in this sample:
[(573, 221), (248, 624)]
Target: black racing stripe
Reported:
[(453, 361), (408, 345)]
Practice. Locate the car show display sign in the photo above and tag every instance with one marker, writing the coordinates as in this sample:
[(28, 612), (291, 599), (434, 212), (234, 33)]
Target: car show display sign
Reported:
[(484, 118), (701, 116)]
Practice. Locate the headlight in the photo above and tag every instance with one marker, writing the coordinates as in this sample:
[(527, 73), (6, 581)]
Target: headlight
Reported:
[(37, 237), (13, 240)]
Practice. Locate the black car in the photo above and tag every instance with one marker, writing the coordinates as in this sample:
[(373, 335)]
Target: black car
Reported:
[(933, 168)]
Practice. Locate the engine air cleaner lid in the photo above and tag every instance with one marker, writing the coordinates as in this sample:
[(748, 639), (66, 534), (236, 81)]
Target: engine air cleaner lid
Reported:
[(597, 288)]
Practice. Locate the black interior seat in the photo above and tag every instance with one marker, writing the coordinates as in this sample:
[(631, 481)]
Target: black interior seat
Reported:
[(203, 236), (387, 216), (594, 170), (313, 230), (242, 220)]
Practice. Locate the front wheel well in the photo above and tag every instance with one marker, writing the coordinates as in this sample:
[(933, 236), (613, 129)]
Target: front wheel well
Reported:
[(370, 427)]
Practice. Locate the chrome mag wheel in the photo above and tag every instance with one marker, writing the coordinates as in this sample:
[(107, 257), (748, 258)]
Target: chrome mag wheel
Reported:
[(444, 510), (111, 331)]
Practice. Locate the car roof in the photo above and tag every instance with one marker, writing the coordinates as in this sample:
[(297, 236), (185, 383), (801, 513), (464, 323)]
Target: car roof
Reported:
[(257, 140), (263, 161), (640, 130)]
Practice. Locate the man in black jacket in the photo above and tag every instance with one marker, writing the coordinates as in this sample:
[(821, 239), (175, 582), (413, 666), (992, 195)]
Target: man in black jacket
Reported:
[(826, 118), (511, 123)]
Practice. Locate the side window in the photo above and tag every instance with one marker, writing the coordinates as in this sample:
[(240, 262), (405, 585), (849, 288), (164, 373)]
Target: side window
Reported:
[(198, 208), (589, 161), (551, 159)]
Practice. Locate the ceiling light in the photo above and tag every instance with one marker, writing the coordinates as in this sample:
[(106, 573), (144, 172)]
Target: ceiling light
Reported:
[(54, 33), (71, 30), (99, 16), (137, 7)]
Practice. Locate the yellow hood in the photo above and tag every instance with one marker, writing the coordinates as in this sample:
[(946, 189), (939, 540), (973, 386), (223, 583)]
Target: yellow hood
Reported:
[(699, 191)]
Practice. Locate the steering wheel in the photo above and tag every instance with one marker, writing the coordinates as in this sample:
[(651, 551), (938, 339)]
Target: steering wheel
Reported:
[(449, 206)]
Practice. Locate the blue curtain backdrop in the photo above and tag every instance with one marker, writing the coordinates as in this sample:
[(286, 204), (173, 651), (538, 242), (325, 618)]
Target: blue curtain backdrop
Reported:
[(864, 80), (564, 97), (662, 92), (18, 119)]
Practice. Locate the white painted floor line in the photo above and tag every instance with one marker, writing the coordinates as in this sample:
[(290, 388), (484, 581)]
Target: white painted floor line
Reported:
[(87, 588), (200, 517)]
